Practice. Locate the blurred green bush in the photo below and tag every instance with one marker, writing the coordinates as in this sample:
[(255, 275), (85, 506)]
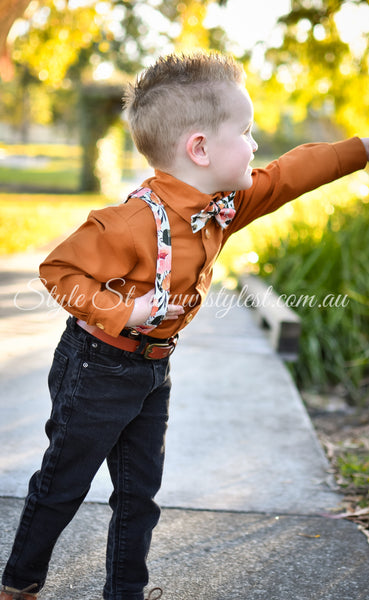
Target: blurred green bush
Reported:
[(315, 251), (329, 275)]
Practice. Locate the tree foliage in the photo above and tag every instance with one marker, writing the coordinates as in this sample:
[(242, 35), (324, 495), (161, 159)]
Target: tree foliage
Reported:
[(61, 41), (68, 51), (316, 71), (62, 48)]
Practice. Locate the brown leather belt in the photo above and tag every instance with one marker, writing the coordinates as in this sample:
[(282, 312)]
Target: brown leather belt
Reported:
[(152, 350)]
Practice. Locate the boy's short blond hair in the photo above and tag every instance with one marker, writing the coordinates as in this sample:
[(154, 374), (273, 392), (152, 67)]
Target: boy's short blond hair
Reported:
[(178, 93)]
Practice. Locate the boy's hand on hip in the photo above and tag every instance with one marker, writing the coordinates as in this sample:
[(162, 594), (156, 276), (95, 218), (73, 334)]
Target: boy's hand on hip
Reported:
[(142, 310)]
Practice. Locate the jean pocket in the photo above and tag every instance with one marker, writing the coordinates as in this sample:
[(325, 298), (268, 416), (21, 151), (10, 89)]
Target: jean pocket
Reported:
[(103, 362), (57, 372)]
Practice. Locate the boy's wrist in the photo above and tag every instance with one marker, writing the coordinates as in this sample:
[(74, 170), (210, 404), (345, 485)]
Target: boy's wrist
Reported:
[(141, 309)]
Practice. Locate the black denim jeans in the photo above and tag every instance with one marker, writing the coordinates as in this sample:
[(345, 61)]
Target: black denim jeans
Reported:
[(106, 403)]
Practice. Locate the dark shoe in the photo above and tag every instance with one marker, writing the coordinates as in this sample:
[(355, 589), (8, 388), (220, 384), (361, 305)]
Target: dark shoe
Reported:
[(151, 596), (9, 593)]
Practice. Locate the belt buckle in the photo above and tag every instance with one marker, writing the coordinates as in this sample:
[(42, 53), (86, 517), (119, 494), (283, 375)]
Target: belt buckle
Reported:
[(171, 347)]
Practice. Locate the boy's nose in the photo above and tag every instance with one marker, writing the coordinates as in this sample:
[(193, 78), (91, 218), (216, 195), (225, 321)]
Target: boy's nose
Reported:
[(254, 145)]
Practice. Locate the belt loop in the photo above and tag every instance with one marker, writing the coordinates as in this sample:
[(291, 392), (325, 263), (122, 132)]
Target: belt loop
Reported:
[(72, 322), (142, 345)]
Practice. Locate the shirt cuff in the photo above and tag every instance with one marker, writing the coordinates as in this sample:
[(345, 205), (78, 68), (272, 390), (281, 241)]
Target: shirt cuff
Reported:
[(351, 155)]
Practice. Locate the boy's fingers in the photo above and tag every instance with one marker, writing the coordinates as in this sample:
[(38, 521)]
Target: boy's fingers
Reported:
[(174, 310)]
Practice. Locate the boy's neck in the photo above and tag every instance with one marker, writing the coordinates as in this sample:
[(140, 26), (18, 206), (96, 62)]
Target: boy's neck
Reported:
[(193, 177)]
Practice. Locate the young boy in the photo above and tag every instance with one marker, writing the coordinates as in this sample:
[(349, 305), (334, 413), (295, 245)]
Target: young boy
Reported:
[(109, 382)]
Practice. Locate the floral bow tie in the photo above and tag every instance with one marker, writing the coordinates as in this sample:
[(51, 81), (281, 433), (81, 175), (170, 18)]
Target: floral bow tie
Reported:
[(222, 210)]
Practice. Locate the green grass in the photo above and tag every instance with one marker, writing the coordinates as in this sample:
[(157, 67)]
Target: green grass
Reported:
[(59, 171), (49, 150), (354, 469), (29, 221), (63, 175), (33, 219)]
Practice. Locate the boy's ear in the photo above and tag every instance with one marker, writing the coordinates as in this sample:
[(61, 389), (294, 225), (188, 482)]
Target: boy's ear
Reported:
[(197, 149)]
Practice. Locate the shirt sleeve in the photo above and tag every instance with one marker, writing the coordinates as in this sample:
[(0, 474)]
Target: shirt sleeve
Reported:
[(305, 168), (85, 272)]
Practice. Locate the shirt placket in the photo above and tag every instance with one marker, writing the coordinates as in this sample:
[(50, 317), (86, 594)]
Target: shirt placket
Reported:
[(212, 236)]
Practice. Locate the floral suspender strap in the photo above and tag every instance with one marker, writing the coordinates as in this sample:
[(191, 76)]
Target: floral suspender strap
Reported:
[(164, 259)]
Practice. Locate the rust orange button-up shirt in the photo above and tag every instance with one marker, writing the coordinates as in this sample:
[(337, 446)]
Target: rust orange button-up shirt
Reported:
[(111, 259)]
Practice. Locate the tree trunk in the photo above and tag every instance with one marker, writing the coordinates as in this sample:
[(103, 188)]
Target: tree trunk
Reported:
[(99, 107)]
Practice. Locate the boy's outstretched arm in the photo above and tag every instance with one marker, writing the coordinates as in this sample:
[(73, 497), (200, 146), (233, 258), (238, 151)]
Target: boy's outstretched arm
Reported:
[(300, 170)]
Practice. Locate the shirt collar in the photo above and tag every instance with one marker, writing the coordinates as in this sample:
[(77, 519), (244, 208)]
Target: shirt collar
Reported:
[(181, 197)]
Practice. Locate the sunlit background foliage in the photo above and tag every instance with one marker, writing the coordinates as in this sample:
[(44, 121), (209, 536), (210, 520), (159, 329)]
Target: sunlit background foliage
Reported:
[(307, 66)]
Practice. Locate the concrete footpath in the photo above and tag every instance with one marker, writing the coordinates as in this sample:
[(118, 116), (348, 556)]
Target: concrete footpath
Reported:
[(247, 496)]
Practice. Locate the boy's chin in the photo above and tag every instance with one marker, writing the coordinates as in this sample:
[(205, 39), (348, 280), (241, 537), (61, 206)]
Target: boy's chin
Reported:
[(245, 183)]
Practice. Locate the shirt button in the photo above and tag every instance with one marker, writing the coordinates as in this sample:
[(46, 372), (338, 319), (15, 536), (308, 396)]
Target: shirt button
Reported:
[(207, 233), (100, 326), (189, 318)]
